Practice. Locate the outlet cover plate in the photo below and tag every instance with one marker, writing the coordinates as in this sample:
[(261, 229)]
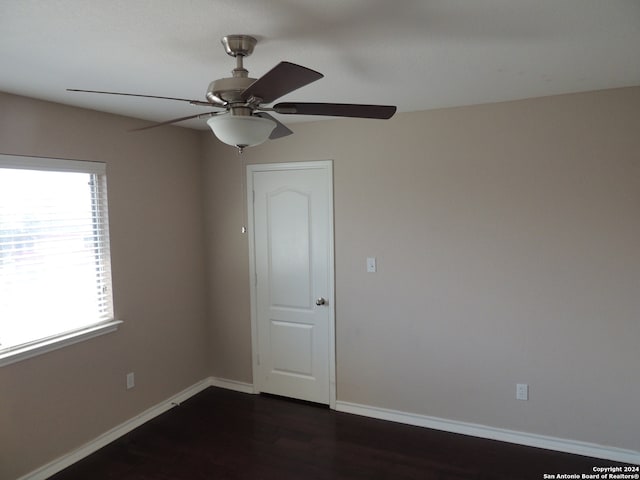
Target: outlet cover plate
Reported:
[(131, 380)]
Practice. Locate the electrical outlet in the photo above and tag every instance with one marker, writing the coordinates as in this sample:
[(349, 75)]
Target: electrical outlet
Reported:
[(522, 391), (131, 380)]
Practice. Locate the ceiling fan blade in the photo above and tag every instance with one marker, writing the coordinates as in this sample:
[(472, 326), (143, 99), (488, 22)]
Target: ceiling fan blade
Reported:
[(285, 77), (336, 110), (192, 102), (175, 120), (281, 129)]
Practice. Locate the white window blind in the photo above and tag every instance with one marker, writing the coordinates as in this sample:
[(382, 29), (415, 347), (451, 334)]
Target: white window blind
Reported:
[(55, 270)]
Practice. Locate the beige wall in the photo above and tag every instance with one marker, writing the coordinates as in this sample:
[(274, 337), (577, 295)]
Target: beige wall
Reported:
[(227, 262), (54, 403), (508, 246)]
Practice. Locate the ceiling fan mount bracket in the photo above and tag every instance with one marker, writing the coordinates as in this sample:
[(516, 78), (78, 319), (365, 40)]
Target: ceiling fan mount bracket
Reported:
[(239, 45)]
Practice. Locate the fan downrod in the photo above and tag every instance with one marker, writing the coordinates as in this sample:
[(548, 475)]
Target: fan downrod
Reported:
[(228, 91)]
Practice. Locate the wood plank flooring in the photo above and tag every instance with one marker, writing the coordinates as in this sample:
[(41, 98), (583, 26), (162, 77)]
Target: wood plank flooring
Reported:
[(220, 434)]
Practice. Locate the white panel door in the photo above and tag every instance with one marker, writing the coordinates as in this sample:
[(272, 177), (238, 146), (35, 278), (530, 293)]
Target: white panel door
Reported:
[(292, 271)]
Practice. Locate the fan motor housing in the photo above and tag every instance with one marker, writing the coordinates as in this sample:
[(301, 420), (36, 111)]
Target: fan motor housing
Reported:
[(229, 89)]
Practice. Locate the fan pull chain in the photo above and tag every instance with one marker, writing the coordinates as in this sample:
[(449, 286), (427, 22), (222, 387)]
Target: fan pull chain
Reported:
[(243, 188)]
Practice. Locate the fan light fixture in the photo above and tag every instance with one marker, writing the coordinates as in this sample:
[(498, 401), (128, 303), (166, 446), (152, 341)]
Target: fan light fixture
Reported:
[(241, 131)]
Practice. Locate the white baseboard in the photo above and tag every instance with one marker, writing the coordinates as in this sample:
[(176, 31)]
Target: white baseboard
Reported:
[(482, 431), (106, 438), (232, 385), (78, 454)]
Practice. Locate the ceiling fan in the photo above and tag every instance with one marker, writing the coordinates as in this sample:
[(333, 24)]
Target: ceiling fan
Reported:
[(242, 120)]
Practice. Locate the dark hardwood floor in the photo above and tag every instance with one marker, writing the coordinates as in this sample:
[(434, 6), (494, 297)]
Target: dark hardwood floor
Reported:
[(220, 434)]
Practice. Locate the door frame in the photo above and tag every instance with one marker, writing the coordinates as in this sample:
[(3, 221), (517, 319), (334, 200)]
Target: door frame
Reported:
[(311, 165)]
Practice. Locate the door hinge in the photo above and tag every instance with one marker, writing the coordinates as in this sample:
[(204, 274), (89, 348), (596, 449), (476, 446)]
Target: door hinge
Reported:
[(255, 279), (258, 358), (253, 192)]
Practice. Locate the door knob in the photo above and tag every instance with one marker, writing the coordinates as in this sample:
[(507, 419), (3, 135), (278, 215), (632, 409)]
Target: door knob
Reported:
[(321, 301)]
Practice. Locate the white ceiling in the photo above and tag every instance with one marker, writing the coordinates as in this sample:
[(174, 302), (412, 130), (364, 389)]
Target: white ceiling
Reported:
[(416, 54)]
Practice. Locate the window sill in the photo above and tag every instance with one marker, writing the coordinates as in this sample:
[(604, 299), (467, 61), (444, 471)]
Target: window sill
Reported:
[(45, 346)]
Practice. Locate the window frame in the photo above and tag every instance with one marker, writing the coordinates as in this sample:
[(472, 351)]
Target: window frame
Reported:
[(62, 339)]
